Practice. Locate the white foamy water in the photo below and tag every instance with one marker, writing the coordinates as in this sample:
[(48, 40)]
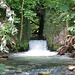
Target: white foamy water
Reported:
[(37, 48)]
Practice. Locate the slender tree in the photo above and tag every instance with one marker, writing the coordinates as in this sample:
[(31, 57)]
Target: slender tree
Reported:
[(67, 24), (21, 21)]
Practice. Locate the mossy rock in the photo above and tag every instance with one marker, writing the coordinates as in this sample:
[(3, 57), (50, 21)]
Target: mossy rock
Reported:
[(44, 73), (10, 67)]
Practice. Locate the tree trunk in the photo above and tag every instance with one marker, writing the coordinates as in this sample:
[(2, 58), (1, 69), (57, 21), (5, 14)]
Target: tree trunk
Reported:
[(67, 24), (21, 22), (41, 26)]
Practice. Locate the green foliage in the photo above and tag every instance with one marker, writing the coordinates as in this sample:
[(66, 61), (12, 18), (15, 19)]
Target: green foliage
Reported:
[(52, 27), (7, 29), (64, 8), (20, 46), (2, 68), (26, 30), (55, 47), (2, 14), (26, 46), (34, 27), (72, 15), (72, 30), (29, 14), (16, 19), (58, 4), (28, 6)]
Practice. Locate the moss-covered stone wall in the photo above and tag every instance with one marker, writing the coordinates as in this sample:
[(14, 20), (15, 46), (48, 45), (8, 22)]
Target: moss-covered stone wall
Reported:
[(54, 31)]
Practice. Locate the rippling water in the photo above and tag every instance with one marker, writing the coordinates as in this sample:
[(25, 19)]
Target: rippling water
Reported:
[(30, 65)]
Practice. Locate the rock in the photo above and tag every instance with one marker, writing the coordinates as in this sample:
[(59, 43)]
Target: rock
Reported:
[(69, 46), (62, 49), (6, 70), (44, 73), (5, 56), (74, 58), (1, 56), (71, 73), (71, 67), (72, 54), (3, 59), (73, 42), (37, 65), (19, 70), (9, 67)]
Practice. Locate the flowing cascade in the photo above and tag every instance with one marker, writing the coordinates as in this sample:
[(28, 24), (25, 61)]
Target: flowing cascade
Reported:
[(38, 45), (38, 48)]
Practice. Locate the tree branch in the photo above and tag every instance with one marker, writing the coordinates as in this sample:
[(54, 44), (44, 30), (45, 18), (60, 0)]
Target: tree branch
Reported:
[(34, 22)]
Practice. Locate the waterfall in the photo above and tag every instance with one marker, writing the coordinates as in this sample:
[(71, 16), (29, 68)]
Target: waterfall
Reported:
[(38, 53), (38, 45), (37, 48)]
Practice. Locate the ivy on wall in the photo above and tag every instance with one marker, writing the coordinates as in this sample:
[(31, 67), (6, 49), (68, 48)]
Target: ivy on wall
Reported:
[(52, 26)]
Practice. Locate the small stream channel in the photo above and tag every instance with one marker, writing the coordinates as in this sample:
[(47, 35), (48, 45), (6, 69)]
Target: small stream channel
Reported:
[(30, 65)]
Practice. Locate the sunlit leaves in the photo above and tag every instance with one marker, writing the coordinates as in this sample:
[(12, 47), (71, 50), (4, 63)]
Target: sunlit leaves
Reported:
[(72, 15), (67, 1), (72, 29), (54, 5), (29, 14), (62, 4), (29, 4), (64, 8), (62, 15), (7, 30)]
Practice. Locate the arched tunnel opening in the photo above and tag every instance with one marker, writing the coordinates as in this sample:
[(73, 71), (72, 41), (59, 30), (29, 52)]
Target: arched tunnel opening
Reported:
[(37, 32)]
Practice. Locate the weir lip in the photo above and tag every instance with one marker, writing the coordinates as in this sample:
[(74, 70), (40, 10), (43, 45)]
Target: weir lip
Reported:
[(39, 53), (37, 48)]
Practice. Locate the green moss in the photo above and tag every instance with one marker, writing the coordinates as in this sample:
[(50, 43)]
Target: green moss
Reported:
[(26, 46), (55, 47), (52, 26), (2, 68)]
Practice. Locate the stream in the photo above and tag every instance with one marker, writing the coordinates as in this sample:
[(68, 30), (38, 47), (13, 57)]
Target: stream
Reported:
[(29, 65), (38, 59)]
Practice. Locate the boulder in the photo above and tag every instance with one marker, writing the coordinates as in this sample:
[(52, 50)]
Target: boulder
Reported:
[(69, 46), (19, 70), (62, 50), (73, 54), (3, 59), (71, 67), (10, 67), (44, 73), (73, 42)]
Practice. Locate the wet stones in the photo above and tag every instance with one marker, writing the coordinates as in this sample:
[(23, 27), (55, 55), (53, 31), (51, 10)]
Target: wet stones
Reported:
[(68, 47), (19, 70), (3, 57), (71, 67), (10, 67), (44, 73), (73, 54)]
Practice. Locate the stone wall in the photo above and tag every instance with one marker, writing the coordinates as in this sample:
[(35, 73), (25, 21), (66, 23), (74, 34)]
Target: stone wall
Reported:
[(54, 30)]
